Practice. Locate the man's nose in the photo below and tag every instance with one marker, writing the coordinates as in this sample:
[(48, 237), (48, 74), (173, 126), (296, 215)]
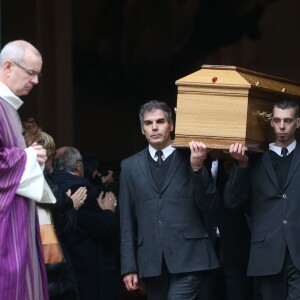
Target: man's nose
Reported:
[(154, 126), (35, 79), (282, 125)]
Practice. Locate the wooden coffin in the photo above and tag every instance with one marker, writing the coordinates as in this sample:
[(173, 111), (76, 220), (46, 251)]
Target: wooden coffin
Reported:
[(221, 105)]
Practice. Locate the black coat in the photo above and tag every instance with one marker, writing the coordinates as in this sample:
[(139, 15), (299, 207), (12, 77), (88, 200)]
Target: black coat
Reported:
[(94, 246), (60, 276), (233, 224)]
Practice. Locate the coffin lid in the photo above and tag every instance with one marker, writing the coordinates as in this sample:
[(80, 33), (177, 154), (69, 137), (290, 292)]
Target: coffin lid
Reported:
[(222, 76)]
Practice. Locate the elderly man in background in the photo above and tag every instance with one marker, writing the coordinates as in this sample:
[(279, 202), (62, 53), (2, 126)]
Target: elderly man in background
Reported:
[(94, 245), (22, 270)]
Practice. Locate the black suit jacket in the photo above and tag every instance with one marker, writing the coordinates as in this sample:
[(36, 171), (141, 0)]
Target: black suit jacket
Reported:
[(232, 224), (167, 222), (275, 212)]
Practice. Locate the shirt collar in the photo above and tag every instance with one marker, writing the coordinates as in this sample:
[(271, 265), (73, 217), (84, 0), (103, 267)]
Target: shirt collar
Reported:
[(8, 96), (291, 147), (166, 151)]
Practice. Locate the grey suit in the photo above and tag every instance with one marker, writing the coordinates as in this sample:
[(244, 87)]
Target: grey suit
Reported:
[(164, 223)]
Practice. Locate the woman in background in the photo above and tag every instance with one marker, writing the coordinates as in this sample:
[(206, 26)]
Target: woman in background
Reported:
[(61, 279)]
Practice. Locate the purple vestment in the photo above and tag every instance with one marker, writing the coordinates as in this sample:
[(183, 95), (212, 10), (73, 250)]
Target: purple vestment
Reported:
[(22, 269)]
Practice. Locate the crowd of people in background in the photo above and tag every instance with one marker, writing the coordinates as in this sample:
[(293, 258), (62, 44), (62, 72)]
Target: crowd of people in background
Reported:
[(176, 224)]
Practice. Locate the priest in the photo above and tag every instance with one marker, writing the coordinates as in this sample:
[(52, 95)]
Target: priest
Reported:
[(22, 270)]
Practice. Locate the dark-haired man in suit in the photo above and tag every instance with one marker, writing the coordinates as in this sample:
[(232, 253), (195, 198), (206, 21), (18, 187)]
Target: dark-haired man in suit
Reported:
[(272, 185), (163, 192)]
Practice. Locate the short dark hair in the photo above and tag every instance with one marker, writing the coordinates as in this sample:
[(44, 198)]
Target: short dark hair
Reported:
[(288, 103), (90, 164), (153, 105)]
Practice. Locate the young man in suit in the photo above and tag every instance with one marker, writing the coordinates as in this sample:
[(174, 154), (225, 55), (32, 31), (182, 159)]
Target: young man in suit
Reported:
[(271, 184), (163, 192)]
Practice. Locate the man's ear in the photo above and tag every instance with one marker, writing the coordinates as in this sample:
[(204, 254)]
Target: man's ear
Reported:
[(171, 126), (7, 65), (298, 122), (77, 168), (143, 132)]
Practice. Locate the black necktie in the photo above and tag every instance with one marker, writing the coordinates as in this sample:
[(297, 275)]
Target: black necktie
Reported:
[(284, 152), (159, 157)]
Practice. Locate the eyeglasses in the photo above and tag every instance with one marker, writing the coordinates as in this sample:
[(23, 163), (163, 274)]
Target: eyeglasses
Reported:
[(31, 73)]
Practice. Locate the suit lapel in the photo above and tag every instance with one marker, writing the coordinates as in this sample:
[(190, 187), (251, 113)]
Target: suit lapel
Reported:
[(294, 164), (176, 161), (144, 167), (266, 161)]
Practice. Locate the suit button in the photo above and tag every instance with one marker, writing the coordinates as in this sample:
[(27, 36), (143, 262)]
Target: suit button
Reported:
[(284, 221), (284, 196), (160, 221), (160, 196)]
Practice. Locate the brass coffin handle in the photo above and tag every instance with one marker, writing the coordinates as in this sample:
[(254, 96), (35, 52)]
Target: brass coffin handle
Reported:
[(264, 115)]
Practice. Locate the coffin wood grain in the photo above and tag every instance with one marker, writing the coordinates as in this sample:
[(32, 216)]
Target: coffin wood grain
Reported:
[(224, 112)]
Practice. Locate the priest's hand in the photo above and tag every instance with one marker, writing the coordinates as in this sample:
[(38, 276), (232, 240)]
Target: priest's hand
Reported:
[(40, 153)]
